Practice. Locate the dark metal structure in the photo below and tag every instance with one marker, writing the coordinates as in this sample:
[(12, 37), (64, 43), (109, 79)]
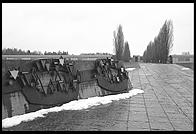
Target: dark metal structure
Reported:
[(51, 82)]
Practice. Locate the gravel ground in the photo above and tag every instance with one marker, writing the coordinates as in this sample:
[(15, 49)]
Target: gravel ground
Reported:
[(100, 117)]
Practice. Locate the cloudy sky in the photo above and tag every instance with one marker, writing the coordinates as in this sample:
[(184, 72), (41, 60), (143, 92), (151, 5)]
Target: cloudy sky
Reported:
[(88, 27)]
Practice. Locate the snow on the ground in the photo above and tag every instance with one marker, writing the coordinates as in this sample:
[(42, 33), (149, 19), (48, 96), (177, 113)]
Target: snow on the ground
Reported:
[(185, 68), (73, 105), (129, 69)]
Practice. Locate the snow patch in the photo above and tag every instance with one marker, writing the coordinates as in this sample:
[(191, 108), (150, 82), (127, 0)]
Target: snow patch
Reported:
[(184, 68), (73, 105), (129, 69)]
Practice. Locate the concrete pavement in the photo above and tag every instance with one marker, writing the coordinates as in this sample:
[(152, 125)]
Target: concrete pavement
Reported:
[(167, 102)]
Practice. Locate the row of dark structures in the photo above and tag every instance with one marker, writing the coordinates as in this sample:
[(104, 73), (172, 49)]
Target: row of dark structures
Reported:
[(50, 82), (110, 70)]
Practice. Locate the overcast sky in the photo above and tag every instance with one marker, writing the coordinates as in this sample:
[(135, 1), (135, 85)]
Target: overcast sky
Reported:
[(88, 28)]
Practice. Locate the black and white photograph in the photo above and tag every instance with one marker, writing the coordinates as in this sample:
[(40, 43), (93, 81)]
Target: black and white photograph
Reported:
[(97, 66)]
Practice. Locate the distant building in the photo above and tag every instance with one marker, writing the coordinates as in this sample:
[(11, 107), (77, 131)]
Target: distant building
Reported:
[(185, 58), (136, 58), (185, 53)]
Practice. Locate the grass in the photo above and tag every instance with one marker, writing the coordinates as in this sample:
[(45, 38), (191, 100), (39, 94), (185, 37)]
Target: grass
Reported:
[(188, 65)]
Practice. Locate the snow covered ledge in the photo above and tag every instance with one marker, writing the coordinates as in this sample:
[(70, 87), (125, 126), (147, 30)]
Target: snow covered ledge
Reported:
[(73, 105), (130, 69), (185, 68)]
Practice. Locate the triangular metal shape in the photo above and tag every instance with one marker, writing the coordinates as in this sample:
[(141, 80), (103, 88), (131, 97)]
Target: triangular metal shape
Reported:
[(52, 88), (38, 65), (61, 61), (62, 86), (14, 73), (43, 63), (48, 66), (57, 77)]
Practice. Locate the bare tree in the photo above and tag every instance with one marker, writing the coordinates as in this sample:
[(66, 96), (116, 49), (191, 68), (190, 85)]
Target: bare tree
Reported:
[(119, 43), (158, 51), (169, 36), (126, 52), (166, 40)]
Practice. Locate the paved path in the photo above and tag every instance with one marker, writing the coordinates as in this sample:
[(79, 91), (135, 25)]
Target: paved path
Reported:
[(166, 105), (167, 102)]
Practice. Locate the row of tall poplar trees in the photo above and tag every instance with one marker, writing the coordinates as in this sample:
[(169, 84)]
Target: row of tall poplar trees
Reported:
[(121, 48), (158, 50)]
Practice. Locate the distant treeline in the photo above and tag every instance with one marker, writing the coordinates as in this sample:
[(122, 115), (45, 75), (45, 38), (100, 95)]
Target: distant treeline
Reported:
[(15, 51), (95, 53), (158, 50)]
